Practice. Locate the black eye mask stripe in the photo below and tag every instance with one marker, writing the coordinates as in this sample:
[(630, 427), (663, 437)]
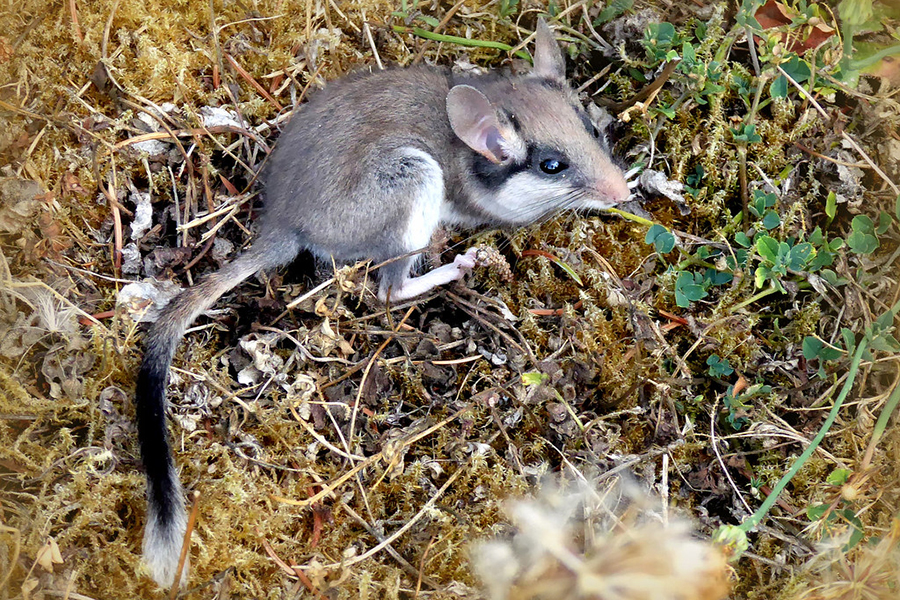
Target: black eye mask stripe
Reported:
[(493, 176), (586, 121), (553, 84)]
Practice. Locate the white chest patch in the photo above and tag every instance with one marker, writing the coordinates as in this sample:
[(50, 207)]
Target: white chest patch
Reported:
[(428, 204)]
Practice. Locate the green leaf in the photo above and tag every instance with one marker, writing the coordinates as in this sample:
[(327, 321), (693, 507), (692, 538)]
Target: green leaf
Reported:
[(823, 258), (816, 512), (688, 56), (885, 320), (884, 222), (762, 273), (636, 75), (762, 201), (694, 292), (797, 69), (885, 343), (862, 243), (862, 224), (832, 278), (428, 20), (664, 243), (508, 7), (771, 220), (742, 239), (612, 10), (831, 206), (862, 240), (661, 238), (779, 87), (849, 339), (739, 260), (666, 111), (665, 33), (897, 208), (767, 247), (713, 277), (817, 237), (534, 378), (719, 367), (654, 232), (814, 348), (856, 529), (830, 353), (746, 133), (712, 89), (800, 255), (811, 347), (686, 290), (700, 30), (838, 477), (732, 537), (659, 40)]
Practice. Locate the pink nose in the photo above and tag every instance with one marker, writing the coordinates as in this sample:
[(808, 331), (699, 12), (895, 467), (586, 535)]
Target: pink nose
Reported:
[(614, 188)]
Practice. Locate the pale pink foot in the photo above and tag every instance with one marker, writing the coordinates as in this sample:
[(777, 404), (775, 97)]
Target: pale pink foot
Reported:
[(416, 286)]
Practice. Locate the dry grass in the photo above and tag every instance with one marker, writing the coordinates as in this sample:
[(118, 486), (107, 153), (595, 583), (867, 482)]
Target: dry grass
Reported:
[(447, 430)]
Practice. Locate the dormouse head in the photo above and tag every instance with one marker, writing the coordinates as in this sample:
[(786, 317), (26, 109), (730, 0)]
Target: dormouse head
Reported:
[(536, 151)]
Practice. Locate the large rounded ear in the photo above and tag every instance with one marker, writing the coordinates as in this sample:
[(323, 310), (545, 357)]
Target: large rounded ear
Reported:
[(548, 58), (475, 122)]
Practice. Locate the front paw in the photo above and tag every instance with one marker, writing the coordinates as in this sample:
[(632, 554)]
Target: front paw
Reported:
[(466, 262)]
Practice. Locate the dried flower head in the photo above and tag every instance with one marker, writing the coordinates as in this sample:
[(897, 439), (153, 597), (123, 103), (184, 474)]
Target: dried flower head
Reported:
[(581, 544), (868, 572)]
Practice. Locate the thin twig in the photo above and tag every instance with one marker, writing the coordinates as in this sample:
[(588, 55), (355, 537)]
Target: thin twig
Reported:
[(830, 159), (76, 27), (329, 488), (425, 510), (368, 31), (186, 544), (390, 549), (365, 375), (720, 460), (745, 191), (255, 84)]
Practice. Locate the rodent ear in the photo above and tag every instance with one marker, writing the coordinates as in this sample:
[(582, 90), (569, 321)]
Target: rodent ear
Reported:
[(474, 121), (548, 57)]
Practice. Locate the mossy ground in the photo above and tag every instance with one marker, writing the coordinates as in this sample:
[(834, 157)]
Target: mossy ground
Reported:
[(444, 398)]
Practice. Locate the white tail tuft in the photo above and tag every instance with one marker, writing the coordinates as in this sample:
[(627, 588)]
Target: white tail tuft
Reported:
[(162, 545)]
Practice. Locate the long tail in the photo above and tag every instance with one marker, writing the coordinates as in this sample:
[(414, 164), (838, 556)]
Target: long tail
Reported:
[(166, 516)]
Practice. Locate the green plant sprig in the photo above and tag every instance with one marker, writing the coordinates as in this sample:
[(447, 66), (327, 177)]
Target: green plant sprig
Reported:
[(735, 536), (770, 500), (631, 217), (461, 41), (888, 410)]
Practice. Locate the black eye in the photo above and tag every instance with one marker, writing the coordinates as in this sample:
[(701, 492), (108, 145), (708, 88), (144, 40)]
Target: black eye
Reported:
[(596, 131), (552, 166)]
